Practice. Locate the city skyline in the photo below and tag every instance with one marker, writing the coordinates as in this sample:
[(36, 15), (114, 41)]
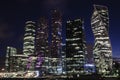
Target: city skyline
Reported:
[(19, 19), (59, 39)]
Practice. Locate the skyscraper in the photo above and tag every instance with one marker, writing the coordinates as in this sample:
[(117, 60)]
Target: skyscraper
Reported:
[(29, 45), (102, 47), (56, 26), (29, 38), (42, 37), (75, 47), (42, 47)]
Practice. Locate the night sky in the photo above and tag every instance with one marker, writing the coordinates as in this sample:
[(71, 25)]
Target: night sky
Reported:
[(14, 14)]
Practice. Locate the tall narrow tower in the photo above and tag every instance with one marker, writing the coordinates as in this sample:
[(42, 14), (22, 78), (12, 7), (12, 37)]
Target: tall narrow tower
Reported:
[(29, 38), (42, 44), (75, 47), (56, 41), (102, 46)]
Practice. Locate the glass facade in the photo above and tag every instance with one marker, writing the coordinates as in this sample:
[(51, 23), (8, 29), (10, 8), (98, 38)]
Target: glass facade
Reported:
[(75, 47), (56, 26), (42, 47), (102, 47)]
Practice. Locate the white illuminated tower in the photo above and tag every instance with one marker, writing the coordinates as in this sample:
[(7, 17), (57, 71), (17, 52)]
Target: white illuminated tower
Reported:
[(29, 38), (102, 47), (29, 45)]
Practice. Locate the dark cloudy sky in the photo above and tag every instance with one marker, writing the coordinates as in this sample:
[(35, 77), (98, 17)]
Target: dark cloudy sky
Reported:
[(14, 14)]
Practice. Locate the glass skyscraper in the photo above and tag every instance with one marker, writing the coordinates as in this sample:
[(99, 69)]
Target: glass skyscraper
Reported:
[(75, 47), (102, 47), (42, 47), (56, 31)]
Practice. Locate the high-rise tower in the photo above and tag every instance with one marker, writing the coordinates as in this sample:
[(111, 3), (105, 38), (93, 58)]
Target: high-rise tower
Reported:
[(102, 47), (56, 41), (29, 38), (42, 47), (42, 37), (75, 47)]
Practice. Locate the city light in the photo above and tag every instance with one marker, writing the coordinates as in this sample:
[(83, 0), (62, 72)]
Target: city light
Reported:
[(46, 54)]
